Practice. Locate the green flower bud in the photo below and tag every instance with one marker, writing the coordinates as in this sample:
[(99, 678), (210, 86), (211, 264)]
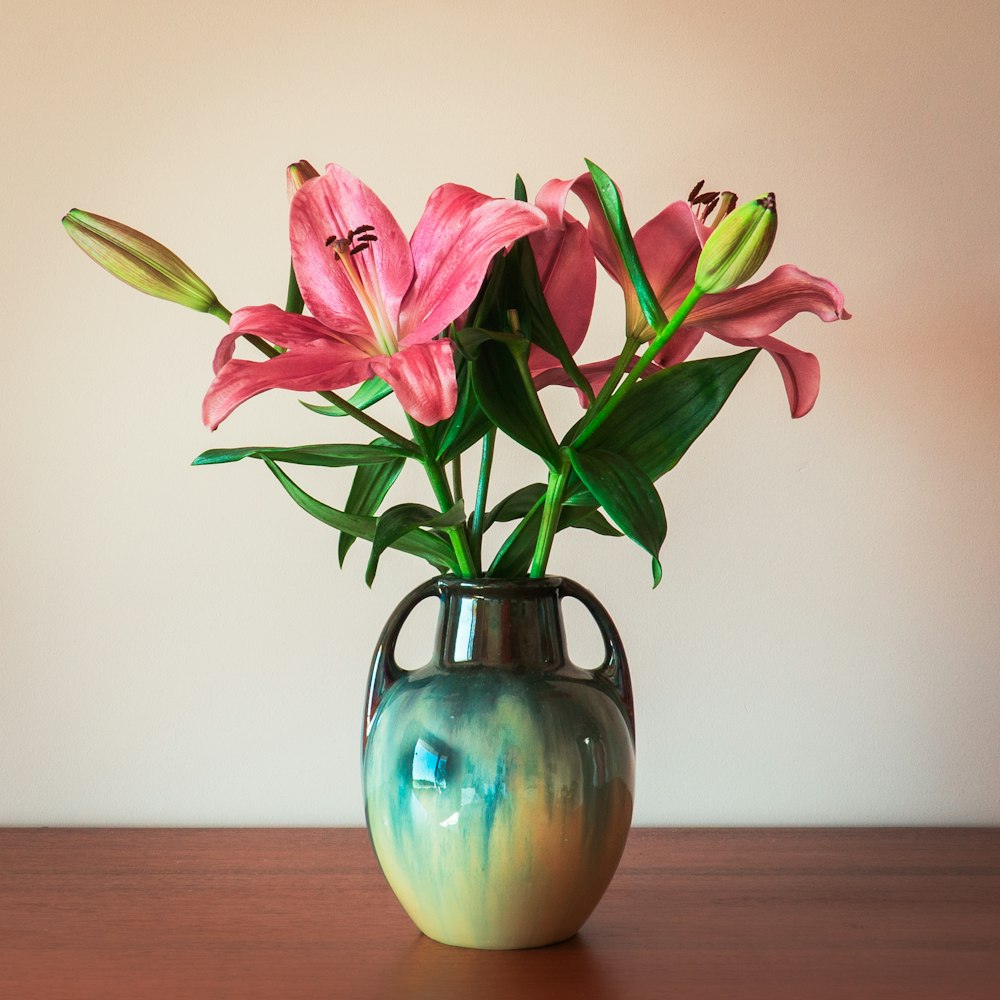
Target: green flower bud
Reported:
[(738, 246), (139, 261), (297, 174)]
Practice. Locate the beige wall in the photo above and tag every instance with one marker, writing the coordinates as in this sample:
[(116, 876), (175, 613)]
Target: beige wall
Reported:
[(178, 645)]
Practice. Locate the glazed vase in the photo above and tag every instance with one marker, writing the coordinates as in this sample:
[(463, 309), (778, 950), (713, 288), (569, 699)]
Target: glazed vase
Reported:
[(499, 778)]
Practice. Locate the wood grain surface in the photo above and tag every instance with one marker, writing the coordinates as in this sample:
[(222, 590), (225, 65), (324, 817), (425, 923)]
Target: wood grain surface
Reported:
[(177, 914)]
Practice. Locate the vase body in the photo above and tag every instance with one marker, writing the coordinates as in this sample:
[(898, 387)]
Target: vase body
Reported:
[(499, 778)]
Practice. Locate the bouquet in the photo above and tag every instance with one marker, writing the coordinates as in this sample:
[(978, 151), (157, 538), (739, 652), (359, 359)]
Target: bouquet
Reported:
[(464, 323)]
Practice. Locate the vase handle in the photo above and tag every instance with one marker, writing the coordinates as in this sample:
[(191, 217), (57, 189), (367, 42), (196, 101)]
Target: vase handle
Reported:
[(615, 666), (385, 671)]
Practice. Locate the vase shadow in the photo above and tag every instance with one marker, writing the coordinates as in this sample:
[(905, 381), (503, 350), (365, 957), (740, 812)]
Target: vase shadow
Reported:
[(432, 970)]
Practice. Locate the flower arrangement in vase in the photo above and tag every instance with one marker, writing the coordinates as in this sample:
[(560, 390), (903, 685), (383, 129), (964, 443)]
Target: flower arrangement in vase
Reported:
[(499, 778)]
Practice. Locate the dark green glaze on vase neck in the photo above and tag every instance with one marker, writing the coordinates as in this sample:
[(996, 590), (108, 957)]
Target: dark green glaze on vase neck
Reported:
[(513, 624)]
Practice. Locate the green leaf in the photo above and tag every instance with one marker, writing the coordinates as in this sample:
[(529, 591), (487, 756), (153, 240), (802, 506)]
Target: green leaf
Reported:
[(595, 521), (504, 390), (399, 523), (628, 496), (611, 202), (331, 456), (514, 557), (294, 302), (435, 550), (515, 283), (367, 394), (369, 489), (661, 416), (523, 292), (466, 425), (520, 191), (515, 506)]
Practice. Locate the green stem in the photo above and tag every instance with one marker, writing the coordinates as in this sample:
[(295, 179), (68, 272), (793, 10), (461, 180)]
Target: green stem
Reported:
[(482, 488), (370, 422), (632, 345), (442, 493), (456, 477), (220, 312), (641, 365), (550, 517)]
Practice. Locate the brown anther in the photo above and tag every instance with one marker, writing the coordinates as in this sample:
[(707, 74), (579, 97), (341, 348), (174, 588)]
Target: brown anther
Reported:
[(695, 190), (358, 248)]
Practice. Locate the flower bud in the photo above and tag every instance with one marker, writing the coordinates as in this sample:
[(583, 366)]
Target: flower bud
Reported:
[(297, 174), (138, 260), (738, 246)]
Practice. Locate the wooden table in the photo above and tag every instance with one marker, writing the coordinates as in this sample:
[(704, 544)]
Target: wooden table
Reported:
[(177, 914)]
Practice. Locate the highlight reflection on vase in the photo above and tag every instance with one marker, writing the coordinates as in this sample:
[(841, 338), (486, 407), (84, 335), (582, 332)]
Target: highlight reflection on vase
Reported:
[(499, 779)]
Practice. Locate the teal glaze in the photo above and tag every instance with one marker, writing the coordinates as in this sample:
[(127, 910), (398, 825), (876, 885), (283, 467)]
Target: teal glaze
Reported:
[(499, 778)]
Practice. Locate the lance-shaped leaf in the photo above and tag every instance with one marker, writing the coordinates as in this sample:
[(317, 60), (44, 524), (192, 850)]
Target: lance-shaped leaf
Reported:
[(662, 415), (521, 289), (505, 392), (466, 425), (368, 490), (368, 394), (514, 557), (399, 523), (628, 496), (611, 202), (595, 521), (418, 543), (516, 505), (333, 456)]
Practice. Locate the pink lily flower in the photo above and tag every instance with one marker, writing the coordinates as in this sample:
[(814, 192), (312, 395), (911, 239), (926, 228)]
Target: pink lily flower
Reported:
[(378, 301), (668, 246)]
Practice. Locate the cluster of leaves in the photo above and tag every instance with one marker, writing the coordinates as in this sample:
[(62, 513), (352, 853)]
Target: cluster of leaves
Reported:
[(601, 474)]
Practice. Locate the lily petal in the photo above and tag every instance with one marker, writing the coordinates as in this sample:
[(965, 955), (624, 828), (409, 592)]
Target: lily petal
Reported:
[(567, 269), (423, 379), (314, 367), (757, 310), (279, 327), (669, 246), (452, 246), (333, 205)]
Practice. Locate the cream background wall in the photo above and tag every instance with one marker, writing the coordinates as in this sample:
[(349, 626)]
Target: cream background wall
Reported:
[(177, 645)]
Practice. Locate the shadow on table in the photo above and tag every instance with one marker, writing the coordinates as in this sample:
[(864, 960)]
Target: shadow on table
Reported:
[(429, 969)]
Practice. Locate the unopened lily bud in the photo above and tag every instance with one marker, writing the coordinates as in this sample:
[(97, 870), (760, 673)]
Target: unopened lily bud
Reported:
[(297, 174), (738, 246), (139, 261)]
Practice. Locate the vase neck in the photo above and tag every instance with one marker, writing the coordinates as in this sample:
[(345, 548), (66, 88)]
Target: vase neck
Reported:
[(501, 623)]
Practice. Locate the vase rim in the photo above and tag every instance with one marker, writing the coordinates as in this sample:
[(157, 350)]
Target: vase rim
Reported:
[(487, 585)]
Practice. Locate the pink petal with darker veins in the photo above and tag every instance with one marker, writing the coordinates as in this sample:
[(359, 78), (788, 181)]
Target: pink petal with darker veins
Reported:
[(568, 273), (312, 367), (333, 205), (452, 246), (278, 327), (423, 379)]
